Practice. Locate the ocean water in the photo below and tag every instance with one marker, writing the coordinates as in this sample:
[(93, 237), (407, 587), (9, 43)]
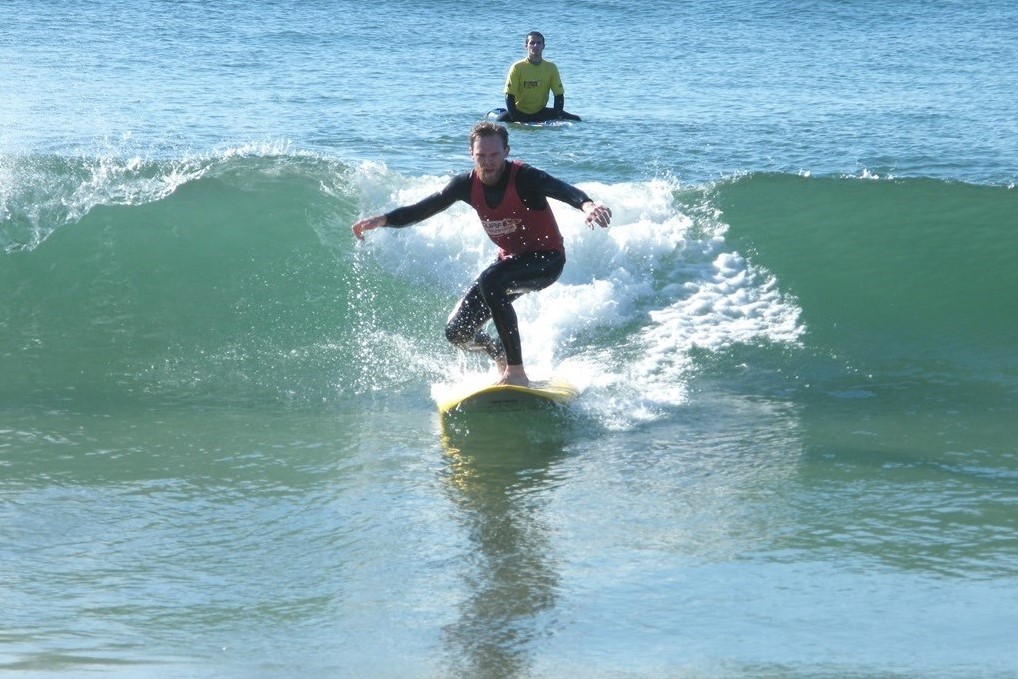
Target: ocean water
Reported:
[(794, 454)]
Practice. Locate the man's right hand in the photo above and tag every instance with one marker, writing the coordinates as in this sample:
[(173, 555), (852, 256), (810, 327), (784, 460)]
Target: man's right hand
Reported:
[(367, 224)]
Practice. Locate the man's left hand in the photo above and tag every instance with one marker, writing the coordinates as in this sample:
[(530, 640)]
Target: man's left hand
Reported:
[(598, 214)]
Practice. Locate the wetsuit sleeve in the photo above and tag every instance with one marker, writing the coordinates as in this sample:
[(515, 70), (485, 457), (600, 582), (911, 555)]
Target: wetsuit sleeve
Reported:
[(458, 188), (560, 104), (510, 105), (536, 186)]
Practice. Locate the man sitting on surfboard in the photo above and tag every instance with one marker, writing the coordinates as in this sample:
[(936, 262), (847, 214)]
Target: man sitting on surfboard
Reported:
[(511, 199), (528, 84)]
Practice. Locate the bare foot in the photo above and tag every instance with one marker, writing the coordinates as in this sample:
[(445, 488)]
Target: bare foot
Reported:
[(515, 374)]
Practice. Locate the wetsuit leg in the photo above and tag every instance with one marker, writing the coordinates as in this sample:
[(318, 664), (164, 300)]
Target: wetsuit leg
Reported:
[(463, 328), (491, 297), (543, 116), (551, 114)]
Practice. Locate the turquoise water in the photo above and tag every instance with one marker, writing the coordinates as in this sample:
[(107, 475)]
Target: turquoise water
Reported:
[(794, 452)]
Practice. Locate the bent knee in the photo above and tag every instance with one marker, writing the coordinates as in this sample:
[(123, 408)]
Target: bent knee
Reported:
[(457, 334)]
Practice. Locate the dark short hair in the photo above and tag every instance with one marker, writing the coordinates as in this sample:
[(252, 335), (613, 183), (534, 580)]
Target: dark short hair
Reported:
[(533, 34), (486, 128)]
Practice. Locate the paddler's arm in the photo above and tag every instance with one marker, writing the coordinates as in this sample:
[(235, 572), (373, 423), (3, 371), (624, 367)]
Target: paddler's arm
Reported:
[(560, 105), (510, 105)]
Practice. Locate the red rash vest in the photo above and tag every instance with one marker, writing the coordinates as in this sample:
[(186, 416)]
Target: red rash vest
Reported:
[(511, 225)]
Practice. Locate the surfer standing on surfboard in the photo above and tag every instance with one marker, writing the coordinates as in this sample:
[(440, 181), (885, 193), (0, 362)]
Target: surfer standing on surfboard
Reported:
[(528, 84), (511, 198)]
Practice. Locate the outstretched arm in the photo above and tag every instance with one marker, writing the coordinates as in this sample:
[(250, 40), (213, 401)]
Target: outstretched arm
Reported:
[(536, 186), (458, 188)]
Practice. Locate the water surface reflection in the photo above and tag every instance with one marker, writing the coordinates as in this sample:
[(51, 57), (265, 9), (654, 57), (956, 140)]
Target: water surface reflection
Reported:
[(500, 475)]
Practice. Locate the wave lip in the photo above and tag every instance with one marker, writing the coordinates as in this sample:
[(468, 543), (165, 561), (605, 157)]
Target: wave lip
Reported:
[(887, 270), (236, 276), (238, 272)]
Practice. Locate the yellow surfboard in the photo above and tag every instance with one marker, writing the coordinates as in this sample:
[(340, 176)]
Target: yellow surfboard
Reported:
[(508, 397)]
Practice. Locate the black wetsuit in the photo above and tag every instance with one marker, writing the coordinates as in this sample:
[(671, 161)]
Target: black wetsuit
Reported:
[(490, 297), (511, 114)]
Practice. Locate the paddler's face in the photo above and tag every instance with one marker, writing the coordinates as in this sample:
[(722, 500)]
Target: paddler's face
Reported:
[(489, 154), (535, 48)]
